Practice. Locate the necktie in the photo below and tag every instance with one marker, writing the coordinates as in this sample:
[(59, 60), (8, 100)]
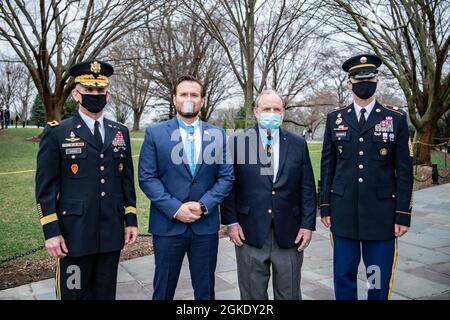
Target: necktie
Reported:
[(191, 148), (269, 144), (97, 135), (362, 119)]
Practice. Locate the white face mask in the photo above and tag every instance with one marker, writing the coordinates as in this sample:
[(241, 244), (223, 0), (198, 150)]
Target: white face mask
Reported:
[(187, 107)]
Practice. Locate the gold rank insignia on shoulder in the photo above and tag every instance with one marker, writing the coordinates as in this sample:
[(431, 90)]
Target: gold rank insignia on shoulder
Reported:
[(123, 124), (96, 67), (53, 123), (383, 152)]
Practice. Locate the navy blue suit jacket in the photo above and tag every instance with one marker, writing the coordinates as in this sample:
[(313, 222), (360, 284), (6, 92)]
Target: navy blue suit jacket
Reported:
[(256, 200), (168, 183)]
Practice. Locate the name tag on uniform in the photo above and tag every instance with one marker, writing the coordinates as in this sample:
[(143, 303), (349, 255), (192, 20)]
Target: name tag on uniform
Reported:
[(73, 151), (341, 134)]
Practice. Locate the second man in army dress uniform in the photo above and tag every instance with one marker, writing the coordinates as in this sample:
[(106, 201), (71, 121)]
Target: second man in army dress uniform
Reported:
[(85, 190), (367, 180)]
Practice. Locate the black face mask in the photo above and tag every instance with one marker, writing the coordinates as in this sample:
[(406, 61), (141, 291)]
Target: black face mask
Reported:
[(93, 102), (364, 89)]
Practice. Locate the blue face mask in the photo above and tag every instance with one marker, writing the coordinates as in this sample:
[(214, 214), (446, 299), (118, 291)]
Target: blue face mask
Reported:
[(270, 121)]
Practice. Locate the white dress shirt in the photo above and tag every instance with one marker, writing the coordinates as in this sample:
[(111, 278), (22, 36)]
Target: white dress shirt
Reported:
[(197, 136), (91, 124), (197, 140), (368, 108)]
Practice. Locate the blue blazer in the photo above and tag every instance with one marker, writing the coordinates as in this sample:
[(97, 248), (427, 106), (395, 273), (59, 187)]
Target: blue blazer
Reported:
[(256, 201), (168, 182)]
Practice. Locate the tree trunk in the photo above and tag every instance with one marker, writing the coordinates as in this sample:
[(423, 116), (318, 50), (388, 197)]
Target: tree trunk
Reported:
[(248, 103), (136, 120), (422, 139), (53, 108)]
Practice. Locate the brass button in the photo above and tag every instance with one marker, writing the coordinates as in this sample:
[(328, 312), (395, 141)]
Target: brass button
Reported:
[(102, 168), (339, 138), (73, 157), (361, 166), (102, 155), (269, 211), (393, 196), (361, 139), (361, 153), (103, 194), (64, 212), (121, 155), (360, 180), (102, 181), (273, 193)]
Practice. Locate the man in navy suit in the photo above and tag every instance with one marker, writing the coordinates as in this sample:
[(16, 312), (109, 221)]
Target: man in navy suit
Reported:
[(183, 171), (271, 211)]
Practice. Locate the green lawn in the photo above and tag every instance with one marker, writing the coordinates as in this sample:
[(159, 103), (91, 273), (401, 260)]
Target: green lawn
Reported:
[(20, 229)]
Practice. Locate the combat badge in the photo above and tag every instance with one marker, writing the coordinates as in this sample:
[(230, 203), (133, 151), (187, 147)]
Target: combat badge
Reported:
[(74, 168)]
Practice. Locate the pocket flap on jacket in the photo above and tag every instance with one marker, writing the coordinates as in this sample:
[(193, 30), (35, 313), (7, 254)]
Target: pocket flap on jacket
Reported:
[(338, 189), (385, 192), (71, 207)]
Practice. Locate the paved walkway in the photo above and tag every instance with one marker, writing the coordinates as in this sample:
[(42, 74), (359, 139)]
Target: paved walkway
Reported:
[(422, 272)]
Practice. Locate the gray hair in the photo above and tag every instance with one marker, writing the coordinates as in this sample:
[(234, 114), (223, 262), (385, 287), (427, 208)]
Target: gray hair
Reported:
[(268, 92)]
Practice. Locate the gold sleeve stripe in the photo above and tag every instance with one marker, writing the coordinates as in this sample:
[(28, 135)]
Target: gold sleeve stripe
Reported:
[(130, 210), (39, 208), (48, 219), (403, 212)]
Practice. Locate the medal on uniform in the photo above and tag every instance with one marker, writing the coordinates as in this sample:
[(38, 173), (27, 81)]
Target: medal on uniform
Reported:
[(391, 137), (385, 136), (74, 168), (120, 167), (191, 137), (383, 152)]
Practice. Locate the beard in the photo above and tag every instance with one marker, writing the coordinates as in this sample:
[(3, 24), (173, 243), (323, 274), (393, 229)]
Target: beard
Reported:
[(189, 115)]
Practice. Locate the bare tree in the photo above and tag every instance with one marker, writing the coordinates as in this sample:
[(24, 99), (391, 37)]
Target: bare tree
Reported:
[(251, 33), (412, 37), (312, 111), (131, 85), (50, 36), (175, 46), (9, 84), (120, 111)]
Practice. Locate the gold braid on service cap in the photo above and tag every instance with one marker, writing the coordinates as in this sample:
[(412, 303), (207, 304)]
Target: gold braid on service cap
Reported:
[(91, 80)]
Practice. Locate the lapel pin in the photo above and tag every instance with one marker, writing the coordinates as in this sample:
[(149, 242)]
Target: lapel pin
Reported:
[(377, 110), (79, 126), (349, 110)]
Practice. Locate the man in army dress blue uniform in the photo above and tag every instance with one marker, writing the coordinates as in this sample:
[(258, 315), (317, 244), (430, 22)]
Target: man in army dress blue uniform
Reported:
[(85, 190), (366, 180)]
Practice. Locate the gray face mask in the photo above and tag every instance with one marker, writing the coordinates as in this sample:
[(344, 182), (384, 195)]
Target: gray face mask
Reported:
[(187, 109)]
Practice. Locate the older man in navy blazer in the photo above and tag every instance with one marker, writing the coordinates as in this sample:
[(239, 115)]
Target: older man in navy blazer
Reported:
[(182, 170), (271, 211)]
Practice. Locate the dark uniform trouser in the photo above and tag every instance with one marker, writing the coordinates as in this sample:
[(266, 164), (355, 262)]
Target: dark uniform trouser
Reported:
[(253, 268), (379, 259), (92, 277)]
